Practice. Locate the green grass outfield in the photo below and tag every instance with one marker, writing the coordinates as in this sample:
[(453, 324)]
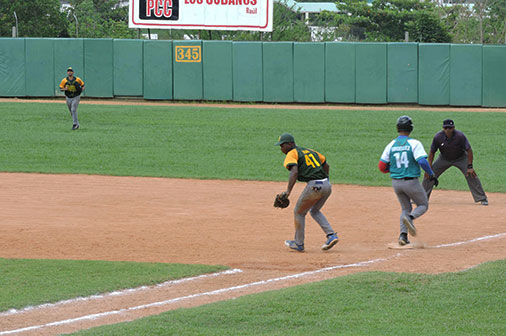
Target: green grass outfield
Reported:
[(463, 303), (218, 143)]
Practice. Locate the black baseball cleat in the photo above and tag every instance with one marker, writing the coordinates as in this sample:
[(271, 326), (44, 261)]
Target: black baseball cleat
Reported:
[(408, 221), (75, 127), (403, 239)]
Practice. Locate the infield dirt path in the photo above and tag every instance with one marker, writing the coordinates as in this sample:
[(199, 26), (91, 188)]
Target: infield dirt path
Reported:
[(230, 223)]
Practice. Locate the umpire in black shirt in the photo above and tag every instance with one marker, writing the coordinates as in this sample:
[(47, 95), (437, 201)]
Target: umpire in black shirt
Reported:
[(455, 150)]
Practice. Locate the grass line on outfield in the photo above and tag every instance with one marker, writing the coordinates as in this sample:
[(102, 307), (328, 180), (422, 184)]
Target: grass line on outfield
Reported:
[(29, 282), (217, 143), (464, 303)]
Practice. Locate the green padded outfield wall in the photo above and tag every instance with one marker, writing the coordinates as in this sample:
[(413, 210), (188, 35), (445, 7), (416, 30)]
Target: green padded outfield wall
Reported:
[(127, 71), (344, 72), (187, 73), (98, 65), (465, 74), (157, 69), (371, 73), (402, 72), (340, 72), (247, 71), (309, 72), (494, 76), (278, 71), (12, 67), (217, 58), (39, 69), (434, 74), (68, 52)]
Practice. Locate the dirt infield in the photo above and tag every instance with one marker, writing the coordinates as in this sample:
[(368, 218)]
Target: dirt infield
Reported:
[(221, 222)]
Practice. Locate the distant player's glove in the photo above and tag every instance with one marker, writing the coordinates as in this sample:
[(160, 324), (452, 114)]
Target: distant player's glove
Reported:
[(434, 179), (281, 201), (78, 87)]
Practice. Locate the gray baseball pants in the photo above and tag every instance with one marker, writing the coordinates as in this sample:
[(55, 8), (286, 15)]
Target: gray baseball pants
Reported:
[(312, 199), (72, 104), (407, 190), (442, 164)]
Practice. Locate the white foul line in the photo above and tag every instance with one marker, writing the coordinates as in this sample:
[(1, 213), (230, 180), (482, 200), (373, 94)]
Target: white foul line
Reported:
[(161, 303), (118, 293), (471, 241), (229, 289)]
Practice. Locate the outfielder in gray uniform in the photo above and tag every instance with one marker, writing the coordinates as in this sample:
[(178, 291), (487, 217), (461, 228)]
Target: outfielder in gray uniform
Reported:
[(403, 157), (72, 86), (456, 151), (309, 166)]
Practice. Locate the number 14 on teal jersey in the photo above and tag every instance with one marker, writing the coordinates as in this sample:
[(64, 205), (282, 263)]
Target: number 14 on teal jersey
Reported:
[(401, 159)]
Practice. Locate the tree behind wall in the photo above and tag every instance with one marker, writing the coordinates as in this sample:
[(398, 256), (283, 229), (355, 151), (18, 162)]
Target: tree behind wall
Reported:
[(36, 18), (388, 20), (484, 22), (99, 19)]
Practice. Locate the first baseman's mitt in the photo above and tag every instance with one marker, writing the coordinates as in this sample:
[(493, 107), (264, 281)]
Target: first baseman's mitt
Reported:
[(281, 201)]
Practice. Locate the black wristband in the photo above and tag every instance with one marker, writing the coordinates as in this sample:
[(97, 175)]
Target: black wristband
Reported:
[(470, 166)]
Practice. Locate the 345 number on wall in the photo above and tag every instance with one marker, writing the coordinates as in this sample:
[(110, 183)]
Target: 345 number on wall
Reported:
[(188, 54)]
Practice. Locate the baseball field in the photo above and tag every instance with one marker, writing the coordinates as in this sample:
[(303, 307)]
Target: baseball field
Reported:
[(160, 216)]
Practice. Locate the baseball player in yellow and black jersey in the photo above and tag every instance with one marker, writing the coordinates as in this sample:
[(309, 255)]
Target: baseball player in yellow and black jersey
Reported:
[(309, 166), (72, 86)]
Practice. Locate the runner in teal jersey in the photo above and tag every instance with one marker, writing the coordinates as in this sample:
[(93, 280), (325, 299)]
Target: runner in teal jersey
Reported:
[(403, 158)]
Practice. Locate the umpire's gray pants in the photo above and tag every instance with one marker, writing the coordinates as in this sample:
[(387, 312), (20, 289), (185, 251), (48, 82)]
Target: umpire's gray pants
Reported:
[(312, 199), (442, 164), (72, 104), (407, 190)]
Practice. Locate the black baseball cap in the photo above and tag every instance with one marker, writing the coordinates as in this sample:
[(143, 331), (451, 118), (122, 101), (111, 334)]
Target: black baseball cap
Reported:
[(285, 137), (448, 123), (70, 69)]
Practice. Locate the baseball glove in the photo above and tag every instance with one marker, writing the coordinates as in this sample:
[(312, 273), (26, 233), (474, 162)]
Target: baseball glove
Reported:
[(281, 201)]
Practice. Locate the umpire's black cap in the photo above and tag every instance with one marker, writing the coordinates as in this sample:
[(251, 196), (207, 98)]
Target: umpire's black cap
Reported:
[(448, 123)]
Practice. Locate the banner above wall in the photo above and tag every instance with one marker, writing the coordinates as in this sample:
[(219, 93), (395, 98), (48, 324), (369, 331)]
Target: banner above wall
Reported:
[(201, 14)]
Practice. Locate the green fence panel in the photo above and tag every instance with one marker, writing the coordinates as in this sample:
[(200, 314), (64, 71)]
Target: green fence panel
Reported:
[(127, 71), (465, 75), (402, 75), (157, 69), (39, 67), (340, 72), (247, 70), (434, 74), (68, 52), (12, 67), (218, 82), (371, 73), (309, 72), (187, 65), (494, 74), (98, 65), (278, 71)]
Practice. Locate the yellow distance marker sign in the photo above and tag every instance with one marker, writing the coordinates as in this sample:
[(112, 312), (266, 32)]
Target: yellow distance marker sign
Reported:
[(188, 54)]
